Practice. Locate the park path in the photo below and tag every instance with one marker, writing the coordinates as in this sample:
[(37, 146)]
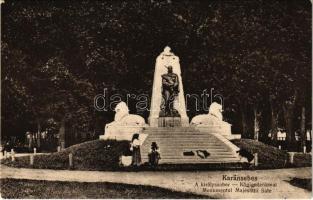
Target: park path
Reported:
[(196, 182)]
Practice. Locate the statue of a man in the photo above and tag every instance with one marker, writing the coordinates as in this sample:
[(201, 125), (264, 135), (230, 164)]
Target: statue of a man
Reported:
[(170, 90)]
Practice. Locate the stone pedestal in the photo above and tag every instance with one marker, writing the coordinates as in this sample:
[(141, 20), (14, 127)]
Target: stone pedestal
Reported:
[(155, 122), (121, 132), (169, 122)]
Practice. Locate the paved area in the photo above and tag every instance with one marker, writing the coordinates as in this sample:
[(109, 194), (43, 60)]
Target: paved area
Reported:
[(203, 182)]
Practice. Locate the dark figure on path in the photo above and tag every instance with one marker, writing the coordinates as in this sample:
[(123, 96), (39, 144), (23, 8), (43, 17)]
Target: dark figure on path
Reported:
[(7, 147), (135, 147), (154, 155)]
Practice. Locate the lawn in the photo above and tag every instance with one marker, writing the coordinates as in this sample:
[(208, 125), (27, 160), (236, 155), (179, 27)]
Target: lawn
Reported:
[(20, 188), (104, 156), (302, 183), (91, 155), (272, 157)]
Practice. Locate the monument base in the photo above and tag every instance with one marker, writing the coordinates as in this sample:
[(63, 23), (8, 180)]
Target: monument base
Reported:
[(121, 132), (170, 121)]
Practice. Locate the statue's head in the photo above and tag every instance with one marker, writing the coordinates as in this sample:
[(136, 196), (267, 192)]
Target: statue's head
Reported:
[(121, 107), (167, 49), (216, 109), (135, 137), (121, 110), (170, 69)]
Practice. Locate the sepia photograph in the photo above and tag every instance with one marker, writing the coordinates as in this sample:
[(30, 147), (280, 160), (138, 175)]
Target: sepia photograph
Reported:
[(156, 99)]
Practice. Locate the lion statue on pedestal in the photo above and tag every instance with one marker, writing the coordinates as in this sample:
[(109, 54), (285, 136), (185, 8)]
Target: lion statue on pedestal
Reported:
[(214, 117), (125, 125), (123, 118), (212, 122)]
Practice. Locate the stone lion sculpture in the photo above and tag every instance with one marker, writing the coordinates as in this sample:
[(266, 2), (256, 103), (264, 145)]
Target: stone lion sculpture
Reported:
[(121, 110), (216, 110), (124, 125), (123, 118), (214, 117)]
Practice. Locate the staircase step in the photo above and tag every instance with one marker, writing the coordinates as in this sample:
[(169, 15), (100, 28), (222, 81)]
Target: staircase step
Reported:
[(211, 150), (184, 149), (170, 128), (173, 156), (197, 158), (181, 151), (194, 160), (177, 133), (195, 146), (177, 144), (181, 154), (185, 140), (179, 161), (186, 143), (207, 140)]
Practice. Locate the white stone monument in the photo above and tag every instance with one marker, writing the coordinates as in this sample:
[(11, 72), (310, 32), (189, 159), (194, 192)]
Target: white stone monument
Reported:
[(165, 59), (206, 136)]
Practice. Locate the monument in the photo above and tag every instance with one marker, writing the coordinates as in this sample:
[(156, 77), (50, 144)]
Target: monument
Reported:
[(161, 91), (204, 140)]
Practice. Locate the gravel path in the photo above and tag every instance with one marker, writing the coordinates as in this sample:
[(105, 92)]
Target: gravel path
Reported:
[(196, 182)]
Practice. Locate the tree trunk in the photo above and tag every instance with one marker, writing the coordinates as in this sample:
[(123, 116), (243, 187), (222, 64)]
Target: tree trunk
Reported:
[(62, 134), (257, 116), (38, 133), (302, 127), (274, 126), (244, 124), (288, 115), (274, 122)]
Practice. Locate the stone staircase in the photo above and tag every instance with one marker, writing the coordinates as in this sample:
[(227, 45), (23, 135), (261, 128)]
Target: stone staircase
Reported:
[(174, 141)]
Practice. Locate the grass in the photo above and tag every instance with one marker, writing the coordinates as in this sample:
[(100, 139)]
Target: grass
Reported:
[(91, 155), (302, 183), (272, 157), (104, 156), (20, 188)]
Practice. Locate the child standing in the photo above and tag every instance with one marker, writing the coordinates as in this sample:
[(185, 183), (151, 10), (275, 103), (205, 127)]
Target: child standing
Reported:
[(135, 147), (154, 155)]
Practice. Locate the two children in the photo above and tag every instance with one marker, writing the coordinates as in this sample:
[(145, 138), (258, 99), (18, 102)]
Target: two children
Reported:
[(154, 155)]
